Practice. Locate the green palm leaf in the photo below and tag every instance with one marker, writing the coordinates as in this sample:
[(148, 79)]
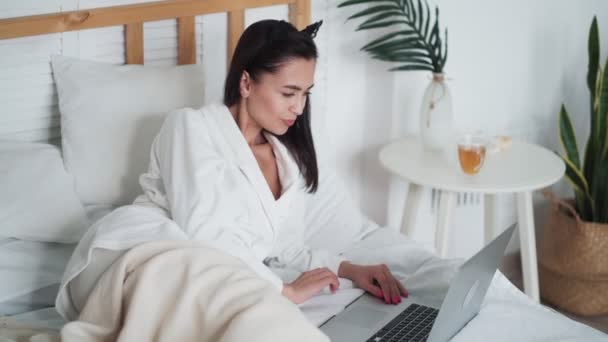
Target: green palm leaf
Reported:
[(357, 2), (412, 67), (379, 17), (380, 24), (413, 32), (445, 50), (396, 44), (385, 38), (373, 10)]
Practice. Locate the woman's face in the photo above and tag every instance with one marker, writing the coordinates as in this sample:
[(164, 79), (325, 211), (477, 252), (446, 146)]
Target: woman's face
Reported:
[(276, 100)]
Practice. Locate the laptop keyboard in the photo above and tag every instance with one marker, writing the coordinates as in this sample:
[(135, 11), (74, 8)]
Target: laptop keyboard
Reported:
[(412, 325)]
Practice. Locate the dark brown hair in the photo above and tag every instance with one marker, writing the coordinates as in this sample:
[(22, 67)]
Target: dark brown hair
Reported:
[(263, 48)]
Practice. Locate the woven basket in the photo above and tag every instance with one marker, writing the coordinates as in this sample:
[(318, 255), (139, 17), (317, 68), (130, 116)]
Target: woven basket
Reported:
[(573, 261)]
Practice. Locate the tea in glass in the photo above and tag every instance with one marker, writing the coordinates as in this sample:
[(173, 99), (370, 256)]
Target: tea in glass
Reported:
[(471, 154)]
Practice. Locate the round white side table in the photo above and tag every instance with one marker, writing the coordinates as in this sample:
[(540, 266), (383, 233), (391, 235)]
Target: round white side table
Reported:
[(520, 169)]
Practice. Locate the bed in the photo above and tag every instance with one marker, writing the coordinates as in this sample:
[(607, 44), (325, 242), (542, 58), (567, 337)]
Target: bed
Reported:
[(54, 191)]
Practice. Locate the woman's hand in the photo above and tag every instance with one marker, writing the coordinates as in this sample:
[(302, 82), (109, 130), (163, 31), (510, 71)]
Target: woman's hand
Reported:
[(375, 279), (309, 284)]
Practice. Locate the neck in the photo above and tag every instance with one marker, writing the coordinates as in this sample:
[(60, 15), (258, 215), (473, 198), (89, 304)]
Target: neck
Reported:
[(250, 129)]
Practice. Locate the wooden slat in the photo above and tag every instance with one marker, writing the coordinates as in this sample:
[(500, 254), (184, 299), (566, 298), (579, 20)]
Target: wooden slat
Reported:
[(123, 15), (299, 13), (134, 43), (236, 26), (186, 45)]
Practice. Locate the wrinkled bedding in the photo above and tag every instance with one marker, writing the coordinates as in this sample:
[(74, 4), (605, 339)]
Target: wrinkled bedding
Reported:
[(252, 310)]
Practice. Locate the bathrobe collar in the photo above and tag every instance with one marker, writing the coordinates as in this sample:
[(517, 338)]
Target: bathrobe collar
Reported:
[(288, 170)]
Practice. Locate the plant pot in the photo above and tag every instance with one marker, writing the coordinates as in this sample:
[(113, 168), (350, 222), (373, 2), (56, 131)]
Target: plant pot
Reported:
[(436, 114), (573, 261)]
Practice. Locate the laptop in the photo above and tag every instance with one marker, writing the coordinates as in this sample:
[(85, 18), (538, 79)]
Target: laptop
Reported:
[(369, 319)]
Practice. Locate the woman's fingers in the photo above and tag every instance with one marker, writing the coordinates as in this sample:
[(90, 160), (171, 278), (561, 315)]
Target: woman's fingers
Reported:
[(402, 288), (310, 283), (385, 287), (322, 277), (391, 288), (373, 288)]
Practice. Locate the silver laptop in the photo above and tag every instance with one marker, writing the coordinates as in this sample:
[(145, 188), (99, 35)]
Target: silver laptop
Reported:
[(415, 319)]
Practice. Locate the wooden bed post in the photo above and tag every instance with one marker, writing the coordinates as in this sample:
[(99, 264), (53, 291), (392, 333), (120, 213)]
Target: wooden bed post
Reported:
[(299, 13), (134, 43), (186, 45), (236, 26)]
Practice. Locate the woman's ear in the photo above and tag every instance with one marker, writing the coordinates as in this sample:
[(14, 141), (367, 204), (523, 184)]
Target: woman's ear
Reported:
[(245, 84)]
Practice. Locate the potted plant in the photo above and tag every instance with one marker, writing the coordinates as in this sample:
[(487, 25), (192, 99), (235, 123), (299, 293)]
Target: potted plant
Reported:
[(414, 43), (573, 253)]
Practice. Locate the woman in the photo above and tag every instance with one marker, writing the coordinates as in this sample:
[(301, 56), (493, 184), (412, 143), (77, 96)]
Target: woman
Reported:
[(242, 177)]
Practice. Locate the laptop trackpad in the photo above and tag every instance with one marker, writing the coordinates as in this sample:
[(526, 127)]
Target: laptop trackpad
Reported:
[(364, 317)]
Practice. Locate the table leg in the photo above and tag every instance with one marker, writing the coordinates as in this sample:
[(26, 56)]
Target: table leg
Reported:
[(444, 218), (527, 237), (488, 218), (410, 210)]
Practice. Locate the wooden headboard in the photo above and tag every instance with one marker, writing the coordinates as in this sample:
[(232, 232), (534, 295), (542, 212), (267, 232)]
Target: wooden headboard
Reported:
[(134, 16), (28, 98)]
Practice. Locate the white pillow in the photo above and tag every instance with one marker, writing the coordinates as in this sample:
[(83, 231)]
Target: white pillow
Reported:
[(38, 201), (109, 116)]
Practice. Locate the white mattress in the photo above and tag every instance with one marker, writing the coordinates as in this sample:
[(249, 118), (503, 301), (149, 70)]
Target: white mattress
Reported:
[(35, 270)]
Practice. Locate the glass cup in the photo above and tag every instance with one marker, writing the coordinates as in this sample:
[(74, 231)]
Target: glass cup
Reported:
[(471, 153)]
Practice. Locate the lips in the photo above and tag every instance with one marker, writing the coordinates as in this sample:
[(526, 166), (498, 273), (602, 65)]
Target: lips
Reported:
[(289, 122)]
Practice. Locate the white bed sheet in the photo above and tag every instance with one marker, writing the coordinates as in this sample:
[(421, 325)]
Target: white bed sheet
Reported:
[(506, 314), (34, 270)]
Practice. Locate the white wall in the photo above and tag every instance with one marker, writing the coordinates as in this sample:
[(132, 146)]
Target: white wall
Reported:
[(511, 65)]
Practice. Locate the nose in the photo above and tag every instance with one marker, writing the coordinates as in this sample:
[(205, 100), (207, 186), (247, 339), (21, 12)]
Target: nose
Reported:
[(298, 106)]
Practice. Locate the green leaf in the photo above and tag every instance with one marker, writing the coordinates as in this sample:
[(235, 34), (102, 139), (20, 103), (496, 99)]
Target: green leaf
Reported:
[(602, 114), (590, 156), (575, 177), (385, 38), (413, 20), (593, 47), (405, 59), (373, 10), (412, 12), (380, 16), (583, 205), (568, 137), (405, 54), (445, 51), (427, 12), (397, 44), (434, 36), (411, 67), (601, 192), (380, 24), (357, 2), (421, 18)]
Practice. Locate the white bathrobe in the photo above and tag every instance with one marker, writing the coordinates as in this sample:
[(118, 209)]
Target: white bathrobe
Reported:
[(204, 184)]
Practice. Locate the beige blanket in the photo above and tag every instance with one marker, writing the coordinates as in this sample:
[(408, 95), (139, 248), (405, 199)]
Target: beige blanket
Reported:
[(180, 291)]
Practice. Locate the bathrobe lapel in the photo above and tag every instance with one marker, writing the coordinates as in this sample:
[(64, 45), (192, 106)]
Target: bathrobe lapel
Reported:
[(243, 156)]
